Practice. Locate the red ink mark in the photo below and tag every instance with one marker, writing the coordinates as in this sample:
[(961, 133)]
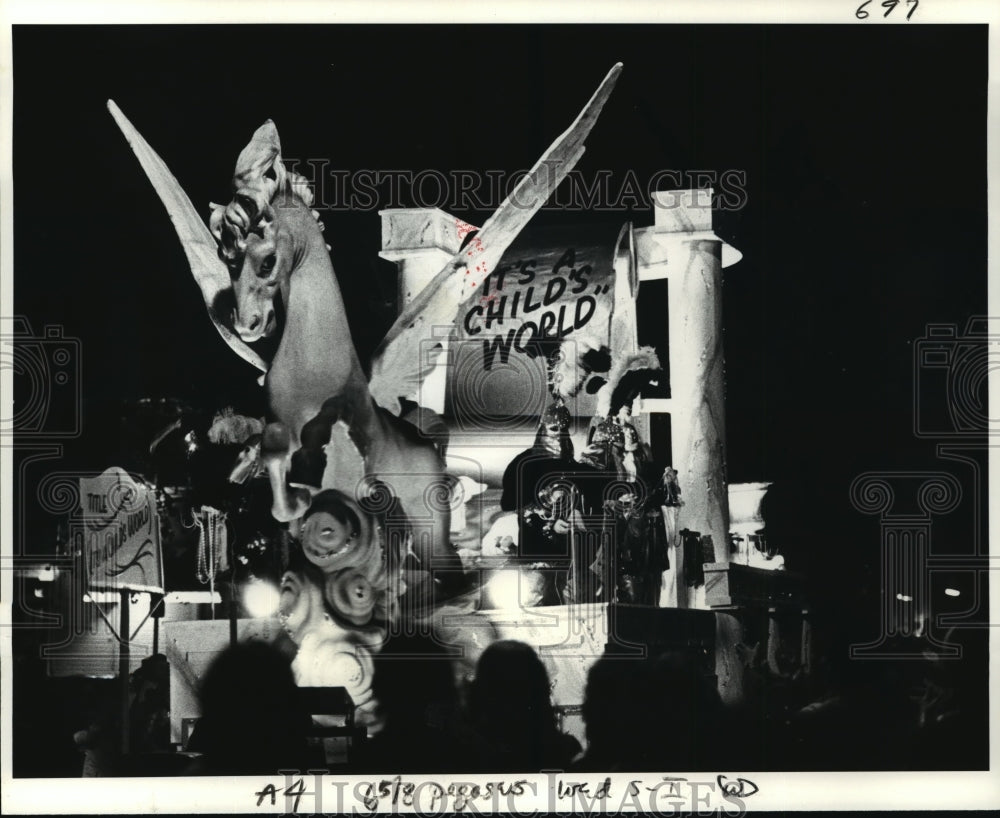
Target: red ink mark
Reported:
[(464, 228)]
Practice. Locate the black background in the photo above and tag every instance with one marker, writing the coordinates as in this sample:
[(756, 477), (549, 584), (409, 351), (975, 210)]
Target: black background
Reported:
[(864, 150)]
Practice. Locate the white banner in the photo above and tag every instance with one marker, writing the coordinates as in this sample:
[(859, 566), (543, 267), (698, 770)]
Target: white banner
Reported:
[(121, 545)]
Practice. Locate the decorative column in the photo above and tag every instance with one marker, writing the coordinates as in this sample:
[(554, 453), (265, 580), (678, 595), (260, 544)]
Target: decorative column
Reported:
[(682, 247), (905, 546), (421, 241)]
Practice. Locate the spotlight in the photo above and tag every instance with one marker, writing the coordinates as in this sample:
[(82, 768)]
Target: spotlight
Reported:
[(503, 590), (513, 588), (951, 592), (904, 598), (261, 598)]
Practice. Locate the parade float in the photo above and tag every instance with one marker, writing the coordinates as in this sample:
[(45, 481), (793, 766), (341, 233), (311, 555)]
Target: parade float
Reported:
[(386, 477)]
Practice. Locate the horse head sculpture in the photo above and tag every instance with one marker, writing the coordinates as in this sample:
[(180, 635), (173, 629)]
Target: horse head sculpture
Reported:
[(273, 246), (264, 232)]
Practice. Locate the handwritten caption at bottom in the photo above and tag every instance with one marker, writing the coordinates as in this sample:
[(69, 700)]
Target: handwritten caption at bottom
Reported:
[(320, 792)]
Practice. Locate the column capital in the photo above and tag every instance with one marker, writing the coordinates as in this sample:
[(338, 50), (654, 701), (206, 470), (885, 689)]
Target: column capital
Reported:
[(682, 211), (678, 216), (416, 230)]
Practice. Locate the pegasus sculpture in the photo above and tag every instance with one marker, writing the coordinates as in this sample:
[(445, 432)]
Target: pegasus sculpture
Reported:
[(267, 244)]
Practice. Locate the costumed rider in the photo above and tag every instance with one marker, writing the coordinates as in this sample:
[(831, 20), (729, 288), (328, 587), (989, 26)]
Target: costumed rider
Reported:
[(634, 515), (615, 445), (552, 493), (631, 561), (645, 524)]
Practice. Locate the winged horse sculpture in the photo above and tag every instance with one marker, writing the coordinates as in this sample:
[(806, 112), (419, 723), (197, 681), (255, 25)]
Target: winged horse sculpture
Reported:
[(267, 244)]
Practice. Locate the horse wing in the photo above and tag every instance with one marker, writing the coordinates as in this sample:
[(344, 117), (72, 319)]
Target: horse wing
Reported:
[(199, 245), (408, 353)]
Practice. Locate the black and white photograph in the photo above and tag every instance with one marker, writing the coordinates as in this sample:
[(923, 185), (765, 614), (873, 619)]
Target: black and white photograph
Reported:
[(428, 414)]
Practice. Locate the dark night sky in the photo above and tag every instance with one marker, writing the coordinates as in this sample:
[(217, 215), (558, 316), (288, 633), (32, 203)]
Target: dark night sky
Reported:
[(864, 150)]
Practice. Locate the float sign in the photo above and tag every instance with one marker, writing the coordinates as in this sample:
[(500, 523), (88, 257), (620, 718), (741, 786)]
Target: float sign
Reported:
[(121, 544)]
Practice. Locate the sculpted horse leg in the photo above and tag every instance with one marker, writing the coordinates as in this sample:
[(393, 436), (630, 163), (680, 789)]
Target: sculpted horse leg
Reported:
[(412, 468), (310, 461), (288, 504)]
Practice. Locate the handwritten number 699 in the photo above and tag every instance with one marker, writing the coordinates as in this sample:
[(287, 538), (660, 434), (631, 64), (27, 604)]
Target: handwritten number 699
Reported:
[(888, 5)]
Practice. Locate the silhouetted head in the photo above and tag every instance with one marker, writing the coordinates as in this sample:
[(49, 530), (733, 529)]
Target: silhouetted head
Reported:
[(512, 713), (607, 696), (511, 688), (414, 683), (251, 721)]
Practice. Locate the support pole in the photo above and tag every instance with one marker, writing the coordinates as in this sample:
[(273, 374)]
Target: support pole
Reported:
[(124, 634), (232, 604)]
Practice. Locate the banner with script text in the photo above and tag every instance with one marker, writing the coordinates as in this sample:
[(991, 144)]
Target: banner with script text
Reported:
[(121, 543)]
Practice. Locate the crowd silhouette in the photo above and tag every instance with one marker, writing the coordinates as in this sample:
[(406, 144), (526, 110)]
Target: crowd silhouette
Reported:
[(641, 714), (660, 712)]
